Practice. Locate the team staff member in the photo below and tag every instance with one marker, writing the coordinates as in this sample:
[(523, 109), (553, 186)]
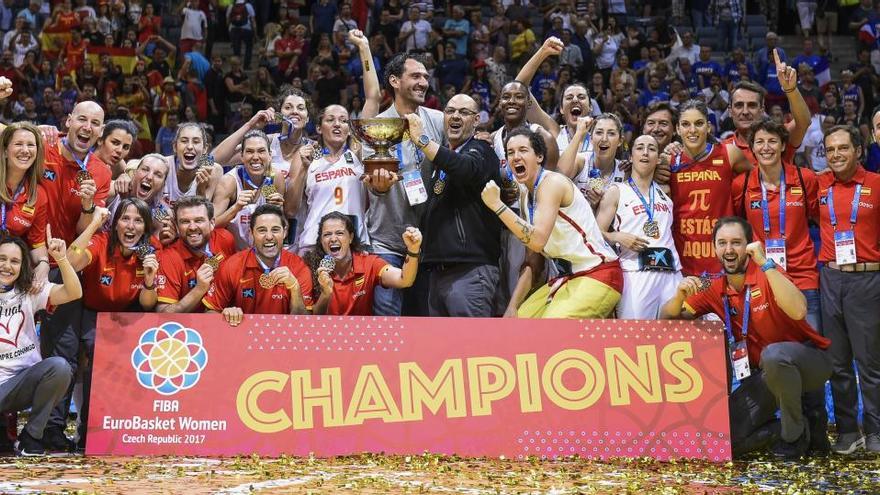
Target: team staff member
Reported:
[(119, 271), (849, 225), (774, 354), (345, 276), (75, 179), (778, 191), (637, 219), (661, 123), (747, 106), (26, 379), (463, 238), (556, 221), (389, 208), (265, 279), (23, 209), (187, 266)]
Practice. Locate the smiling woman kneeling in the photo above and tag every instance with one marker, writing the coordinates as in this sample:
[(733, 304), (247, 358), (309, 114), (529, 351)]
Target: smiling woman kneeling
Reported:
[(344, 276), (557, 222)]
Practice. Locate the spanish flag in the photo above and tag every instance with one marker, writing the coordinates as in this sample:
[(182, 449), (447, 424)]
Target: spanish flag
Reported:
[(123, 57), (53, 39)]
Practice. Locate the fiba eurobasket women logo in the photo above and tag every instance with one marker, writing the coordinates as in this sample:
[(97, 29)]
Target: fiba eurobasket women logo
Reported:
[(169, 358)]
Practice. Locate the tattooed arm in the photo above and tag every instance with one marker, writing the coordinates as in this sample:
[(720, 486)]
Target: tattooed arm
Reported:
[(555, 190)]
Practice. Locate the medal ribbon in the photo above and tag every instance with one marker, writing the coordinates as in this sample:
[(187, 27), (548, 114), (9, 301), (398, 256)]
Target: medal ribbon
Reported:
[(442, 174), (82, 163), (855, 207), (246, 178), (533, 198), (765, 208), (265, 268), (678, 166), (649, 208), (3, 206)]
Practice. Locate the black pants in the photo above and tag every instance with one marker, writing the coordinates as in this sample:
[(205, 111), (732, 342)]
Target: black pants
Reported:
[(849, 318)]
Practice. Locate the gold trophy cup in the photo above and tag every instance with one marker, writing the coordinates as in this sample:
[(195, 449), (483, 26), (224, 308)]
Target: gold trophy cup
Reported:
[(380, 134)]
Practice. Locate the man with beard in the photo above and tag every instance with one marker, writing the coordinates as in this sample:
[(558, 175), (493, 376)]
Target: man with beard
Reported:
[(187, 267), (463, 237), (392, 207), (747, 106), (775, 355), (264, 280), (849, 215)]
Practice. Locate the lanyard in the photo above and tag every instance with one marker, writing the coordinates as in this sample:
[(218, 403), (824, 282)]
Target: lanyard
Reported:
[(649, 208), (765, 208), (246, 177), (285, 137), (533, 198), (419, 156), (678, 166), (326, 150), (747, 306), (82, 163), (265, 268), (855, 207), (3, 206)]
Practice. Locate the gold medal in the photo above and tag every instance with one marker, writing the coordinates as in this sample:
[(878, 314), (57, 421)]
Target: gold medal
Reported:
[(651, 229), (328, 263), (160, 213), (439, 186), (705, 282), (82, 176), (268, 190), (266, 281), (213, 262), (205, 160), (597, 185), (144, 250)]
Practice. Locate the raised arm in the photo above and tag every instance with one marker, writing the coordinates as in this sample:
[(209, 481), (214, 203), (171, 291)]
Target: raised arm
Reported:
[(787, 76), (224, 151), (536, 114), (401, 278), (372, 91), (70, 289), (77, 253), (572, 160)]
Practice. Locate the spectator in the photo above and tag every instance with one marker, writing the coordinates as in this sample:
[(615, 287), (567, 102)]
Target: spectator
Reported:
[(194, 28), (705, 68), (523, 43), (415, 32), (323, 17), (726, 16), (479, 37), (344, 23), (165, 135), (241, 19), (764, 55), (457, 29)]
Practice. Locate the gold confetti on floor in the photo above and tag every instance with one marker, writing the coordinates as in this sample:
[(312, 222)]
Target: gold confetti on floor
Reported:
[(433, 474)]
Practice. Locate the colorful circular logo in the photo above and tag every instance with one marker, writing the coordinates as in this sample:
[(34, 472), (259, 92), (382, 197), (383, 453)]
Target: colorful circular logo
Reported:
[(169, 358)]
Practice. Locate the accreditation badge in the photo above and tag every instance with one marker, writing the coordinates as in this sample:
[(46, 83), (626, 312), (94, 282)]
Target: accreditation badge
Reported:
[(415, 187), (776, 251), (739, 356), (845, 247)]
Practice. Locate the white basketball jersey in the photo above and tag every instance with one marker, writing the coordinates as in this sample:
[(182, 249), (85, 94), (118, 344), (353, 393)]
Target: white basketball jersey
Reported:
[(631, 218), (564, 138), (334, 187), (171, 192), (576, 236), (240, 226), (582, 179)]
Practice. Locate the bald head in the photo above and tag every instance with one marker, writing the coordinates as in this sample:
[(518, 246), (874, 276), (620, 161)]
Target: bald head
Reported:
[(460, 119), (84, 126)]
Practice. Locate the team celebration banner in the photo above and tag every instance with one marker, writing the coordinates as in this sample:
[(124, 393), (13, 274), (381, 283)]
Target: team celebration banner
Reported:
[(193, 385)]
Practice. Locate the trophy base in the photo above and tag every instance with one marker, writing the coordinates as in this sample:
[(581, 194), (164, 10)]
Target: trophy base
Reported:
[(389, 164)]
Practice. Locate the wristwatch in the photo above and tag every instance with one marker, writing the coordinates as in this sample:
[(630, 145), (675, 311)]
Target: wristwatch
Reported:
[(768, 265), (423, 141)]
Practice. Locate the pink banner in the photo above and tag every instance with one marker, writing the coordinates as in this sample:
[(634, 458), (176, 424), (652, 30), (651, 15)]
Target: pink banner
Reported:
[(192, 385)]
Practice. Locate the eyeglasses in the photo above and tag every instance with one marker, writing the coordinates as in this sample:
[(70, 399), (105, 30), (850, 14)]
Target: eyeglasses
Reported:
[(464, 112)]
